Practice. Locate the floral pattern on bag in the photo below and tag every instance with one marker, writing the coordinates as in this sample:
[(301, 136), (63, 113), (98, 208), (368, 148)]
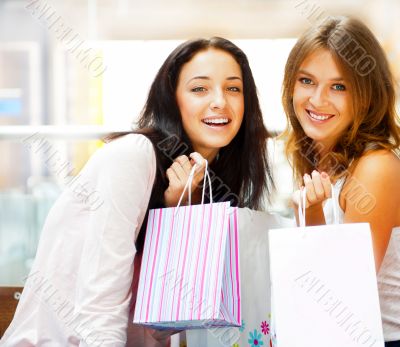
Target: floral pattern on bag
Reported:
[(265, 328), (255, 338)]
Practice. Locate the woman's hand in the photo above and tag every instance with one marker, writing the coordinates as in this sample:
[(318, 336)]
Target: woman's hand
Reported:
[(178, 174), (318, 189)]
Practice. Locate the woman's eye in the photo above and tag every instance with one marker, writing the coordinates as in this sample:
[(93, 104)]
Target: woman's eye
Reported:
[(339, 87), (234, 89), (305, 80), (198, 89)]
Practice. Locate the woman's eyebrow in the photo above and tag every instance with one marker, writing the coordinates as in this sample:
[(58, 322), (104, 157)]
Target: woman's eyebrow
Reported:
[(200, 78), (208, 78), (197, 78), (337, 79)]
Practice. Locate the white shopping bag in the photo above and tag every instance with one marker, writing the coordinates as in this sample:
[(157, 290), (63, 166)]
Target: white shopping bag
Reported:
[(324, 287), (255, 327)]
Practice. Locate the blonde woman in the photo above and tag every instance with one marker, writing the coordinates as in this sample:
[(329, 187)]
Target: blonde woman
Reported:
[(339, 98)]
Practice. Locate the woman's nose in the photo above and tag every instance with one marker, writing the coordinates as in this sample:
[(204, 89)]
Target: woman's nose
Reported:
[(218, 100), (319, 97)]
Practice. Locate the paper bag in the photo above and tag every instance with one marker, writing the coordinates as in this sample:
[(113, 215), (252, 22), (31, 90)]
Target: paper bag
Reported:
[(324, 287), (190, 267)]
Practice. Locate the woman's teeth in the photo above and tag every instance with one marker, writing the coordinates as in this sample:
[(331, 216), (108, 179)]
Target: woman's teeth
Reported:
[(216, 121), (318, 117)]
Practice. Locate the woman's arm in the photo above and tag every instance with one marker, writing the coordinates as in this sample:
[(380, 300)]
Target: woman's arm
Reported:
[(122, 173), (372, 195)]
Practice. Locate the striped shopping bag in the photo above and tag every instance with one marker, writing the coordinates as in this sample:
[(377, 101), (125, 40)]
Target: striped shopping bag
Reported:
[(189, 276)]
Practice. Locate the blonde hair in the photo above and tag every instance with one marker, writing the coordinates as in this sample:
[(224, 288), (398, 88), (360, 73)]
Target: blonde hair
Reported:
[(362, 60)]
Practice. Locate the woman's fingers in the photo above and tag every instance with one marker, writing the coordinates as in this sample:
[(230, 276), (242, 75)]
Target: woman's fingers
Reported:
[(184, 162), (172, 177), (326, 183), (182, 167), (310, 191), (178, 170), (178, 174), (318, 187)]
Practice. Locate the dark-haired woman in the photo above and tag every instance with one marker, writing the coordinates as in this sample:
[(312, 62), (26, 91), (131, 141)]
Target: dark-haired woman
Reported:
[(202, 104)]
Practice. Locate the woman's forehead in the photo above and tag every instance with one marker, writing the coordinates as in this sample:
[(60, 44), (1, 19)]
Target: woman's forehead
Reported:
[(211, 62)]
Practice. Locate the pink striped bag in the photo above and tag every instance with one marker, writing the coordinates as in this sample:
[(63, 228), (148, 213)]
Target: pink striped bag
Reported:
[(189, 276)]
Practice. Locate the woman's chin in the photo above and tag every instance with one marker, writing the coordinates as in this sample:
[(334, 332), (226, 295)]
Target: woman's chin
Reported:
[(315, 136), (217, 144)]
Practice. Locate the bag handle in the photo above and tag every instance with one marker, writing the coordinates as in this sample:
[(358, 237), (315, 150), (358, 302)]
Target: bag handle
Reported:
[(302, 207), (189, 184)]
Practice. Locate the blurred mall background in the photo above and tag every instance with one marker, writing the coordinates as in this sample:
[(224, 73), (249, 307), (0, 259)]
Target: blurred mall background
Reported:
[(72, 71)]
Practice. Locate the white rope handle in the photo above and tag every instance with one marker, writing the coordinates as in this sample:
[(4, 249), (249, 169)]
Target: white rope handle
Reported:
[(189, 184), (206, 175), (302, 207)]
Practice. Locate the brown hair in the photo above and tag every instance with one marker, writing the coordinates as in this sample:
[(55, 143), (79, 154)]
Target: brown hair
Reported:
[(362, 60)]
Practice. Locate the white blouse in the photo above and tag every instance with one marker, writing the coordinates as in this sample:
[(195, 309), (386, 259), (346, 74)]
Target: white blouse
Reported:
[(78, 292)]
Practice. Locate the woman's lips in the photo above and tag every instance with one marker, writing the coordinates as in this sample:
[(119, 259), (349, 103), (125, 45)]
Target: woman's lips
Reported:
[(319, 117), (216, 121)]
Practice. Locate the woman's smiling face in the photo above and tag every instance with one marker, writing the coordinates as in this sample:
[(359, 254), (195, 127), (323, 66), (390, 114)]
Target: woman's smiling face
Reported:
[(210, 99), (322, 99)]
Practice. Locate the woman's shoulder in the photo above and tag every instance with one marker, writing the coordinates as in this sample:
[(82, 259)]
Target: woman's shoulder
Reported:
[(374, 181), (379, 160), (134, 148), (129, 145), (378, 167), (130, 142)]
